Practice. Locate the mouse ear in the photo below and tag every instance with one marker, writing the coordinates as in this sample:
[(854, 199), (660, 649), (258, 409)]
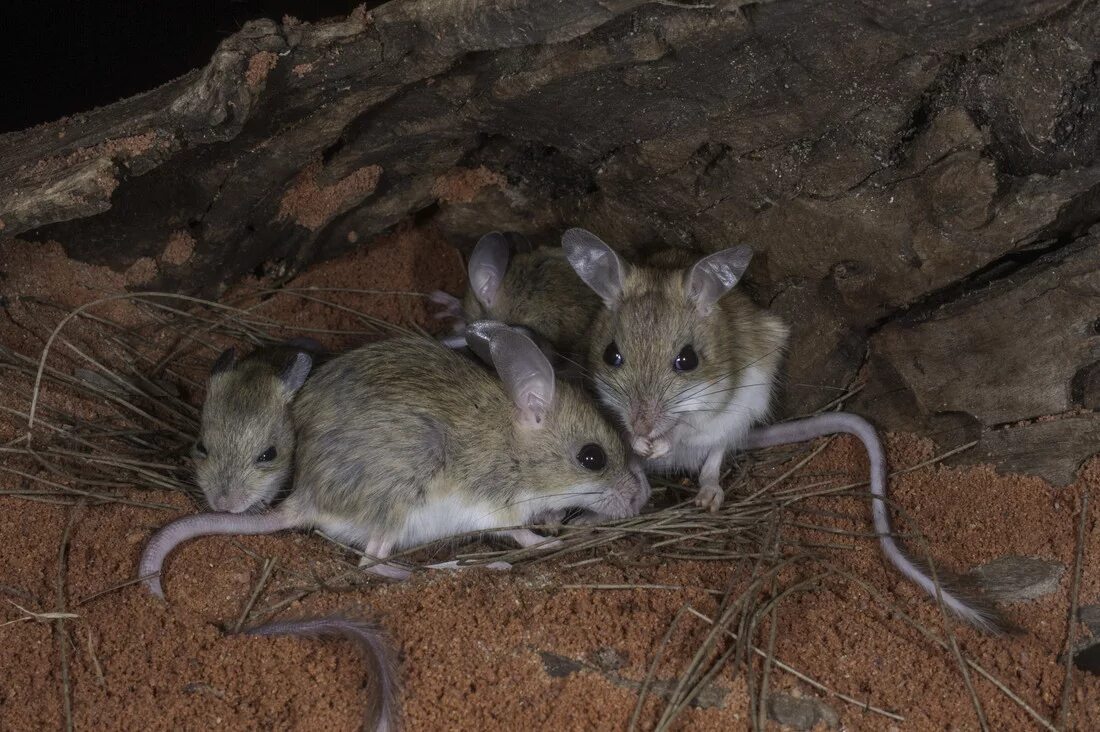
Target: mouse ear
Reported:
[(296, 371), (224, 362), (596, 263), (478, 335), (488, 263), (715, 275), (527, 375)]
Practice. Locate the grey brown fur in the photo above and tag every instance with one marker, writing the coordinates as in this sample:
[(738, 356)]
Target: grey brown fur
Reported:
[(535, 288), (245, 412)]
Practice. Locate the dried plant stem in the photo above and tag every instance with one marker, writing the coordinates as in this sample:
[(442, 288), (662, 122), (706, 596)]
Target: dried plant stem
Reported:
[(59, 624), (269, 565), (1075, 596)]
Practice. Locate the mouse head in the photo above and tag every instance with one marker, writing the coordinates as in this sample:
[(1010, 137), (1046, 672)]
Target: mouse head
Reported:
[(662, 348), (569, 454), (245, 450)]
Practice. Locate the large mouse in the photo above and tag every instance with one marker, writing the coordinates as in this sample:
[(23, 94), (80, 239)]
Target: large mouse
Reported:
[(687, 364), (534, 288), (244, 453)]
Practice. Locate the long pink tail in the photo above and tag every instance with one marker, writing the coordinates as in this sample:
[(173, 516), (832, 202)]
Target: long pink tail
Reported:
[(382, 712), (203, 524), (971, 608)]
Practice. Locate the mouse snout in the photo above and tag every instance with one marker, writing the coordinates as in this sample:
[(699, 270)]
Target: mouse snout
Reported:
[(647, 425), (226, 502)]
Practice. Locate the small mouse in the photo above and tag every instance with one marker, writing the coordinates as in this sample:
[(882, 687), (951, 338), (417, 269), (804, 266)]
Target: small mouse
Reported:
[(688, 365), (244, 453), (512, 282)]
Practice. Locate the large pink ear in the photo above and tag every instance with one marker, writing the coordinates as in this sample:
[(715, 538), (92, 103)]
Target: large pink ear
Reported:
[(488, 264), (526, 374), (715, 275), (596, 263)]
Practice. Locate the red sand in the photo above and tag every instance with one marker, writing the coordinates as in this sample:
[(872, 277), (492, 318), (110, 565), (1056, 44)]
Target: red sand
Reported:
[(470, 641)]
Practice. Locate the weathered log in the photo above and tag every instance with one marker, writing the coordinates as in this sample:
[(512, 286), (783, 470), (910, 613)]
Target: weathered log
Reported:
[(912, 174)]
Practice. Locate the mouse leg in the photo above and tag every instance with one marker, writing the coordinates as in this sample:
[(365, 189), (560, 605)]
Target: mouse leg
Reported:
[(378, 549), (527, 538), (711, 494)]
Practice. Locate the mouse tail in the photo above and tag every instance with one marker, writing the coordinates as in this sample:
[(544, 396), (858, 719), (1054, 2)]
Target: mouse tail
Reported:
[(382, 712), (202, 524), (964, 603)]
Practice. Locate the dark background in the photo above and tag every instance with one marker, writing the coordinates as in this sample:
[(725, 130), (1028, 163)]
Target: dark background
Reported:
[(63, 58)]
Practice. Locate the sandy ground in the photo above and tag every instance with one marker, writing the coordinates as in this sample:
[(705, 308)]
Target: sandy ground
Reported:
[(473, 643)]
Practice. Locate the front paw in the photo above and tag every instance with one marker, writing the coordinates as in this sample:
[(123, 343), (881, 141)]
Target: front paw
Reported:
[(710, 497), (450, 307)]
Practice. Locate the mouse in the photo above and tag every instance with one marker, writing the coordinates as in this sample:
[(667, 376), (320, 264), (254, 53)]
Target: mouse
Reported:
[(513, 282), (244, 453), (404, 441), (687, 364)]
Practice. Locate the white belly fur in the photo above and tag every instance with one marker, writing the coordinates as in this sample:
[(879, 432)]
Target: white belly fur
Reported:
[(702, 432), (438, 518)]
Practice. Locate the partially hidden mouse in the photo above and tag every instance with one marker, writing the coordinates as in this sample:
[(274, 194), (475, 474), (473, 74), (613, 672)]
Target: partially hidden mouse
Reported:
[(404, 441), (688, 364), (244, 453), (534, 288)]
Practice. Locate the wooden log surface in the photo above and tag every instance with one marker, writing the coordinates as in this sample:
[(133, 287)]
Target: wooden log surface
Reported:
[(918, 178)]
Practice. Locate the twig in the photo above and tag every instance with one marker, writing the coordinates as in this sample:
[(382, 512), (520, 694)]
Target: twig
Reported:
[(95, 660), (269, 565), (59, 627), (1075, 593)]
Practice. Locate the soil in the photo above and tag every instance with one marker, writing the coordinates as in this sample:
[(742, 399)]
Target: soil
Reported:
[(472, 643)]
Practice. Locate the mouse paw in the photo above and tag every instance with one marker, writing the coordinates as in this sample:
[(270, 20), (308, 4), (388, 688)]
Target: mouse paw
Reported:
[(389, 571), (710, 497), (450, 307)]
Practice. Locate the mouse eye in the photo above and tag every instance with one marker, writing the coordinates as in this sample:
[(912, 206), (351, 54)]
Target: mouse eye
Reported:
[(611, 355), (686, 359), (200, 449), (267, 455), (592, 457)]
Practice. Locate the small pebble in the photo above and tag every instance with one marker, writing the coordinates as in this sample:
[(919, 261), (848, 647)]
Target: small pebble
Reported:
[(800, 713), (1090, 616), (1012, 579)]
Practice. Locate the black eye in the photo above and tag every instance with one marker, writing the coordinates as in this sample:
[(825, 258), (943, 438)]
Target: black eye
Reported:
[(592, 457), (685, 360), (267, 455), (611, 355), (200, 449)]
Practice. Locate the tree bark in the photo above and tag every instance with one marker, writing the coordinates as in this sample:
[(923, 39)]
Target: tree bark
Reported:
[(917, 178)]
